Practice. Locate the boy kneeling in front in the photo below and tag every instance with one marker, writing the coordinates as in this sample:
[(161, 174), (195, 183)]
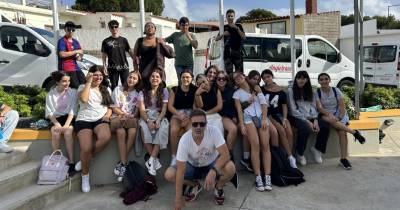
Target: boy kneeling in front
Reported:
[(202, 153)]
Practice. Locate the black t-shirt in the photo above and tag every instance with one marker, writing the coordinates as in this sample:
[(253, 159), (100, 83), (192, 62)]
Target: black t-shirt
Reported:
[(184, 100), (275, 101), (116, 49), (210, 99), (234, 41), (228, 107)]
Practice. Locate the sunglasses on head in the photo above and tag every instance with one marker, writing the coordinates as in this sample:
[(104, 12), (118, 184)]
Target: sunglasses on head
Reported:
[(197, 124), (221, 78), (70, 29)]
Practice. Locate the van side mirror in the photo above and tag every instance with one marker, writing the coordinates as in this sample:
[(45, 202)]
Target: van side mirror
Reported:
[(339, 58)]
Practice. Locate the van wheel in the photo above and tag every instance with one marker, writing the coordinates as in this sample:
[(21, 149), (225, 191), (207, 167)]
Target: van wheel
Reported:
[(49, 85), (345, 82)]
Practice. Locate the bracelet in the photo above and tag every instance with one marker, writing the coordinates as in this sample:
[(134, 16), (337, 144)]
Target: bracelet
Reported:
[(218, 174)]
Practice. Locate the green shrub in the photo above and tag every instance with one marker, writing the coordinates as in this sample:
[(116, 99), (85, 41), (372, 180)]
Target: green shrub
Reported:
[(384, 96), (351, 110), (349, 91)]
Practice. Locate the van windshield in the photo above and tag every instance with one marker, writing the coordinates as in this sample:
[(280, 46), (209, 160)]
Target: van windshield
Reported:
[(48, 35)]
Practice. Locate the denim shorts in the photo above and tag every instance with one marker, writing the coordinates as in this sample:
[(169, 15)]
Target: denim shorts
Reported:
[(197, 173), (247, 119)]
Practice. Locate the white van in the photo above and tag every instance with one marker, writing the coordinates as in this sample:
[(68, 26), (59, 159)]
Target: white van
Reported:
[(272, 51), (382, 64), (28, 56)]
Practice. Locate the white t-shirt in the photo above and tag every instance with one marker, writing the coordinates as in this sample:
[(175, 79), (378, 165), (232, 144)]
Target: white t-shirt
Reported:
[(60, 104), (93, 110), (203, 154), (127, 103), (254, 109)]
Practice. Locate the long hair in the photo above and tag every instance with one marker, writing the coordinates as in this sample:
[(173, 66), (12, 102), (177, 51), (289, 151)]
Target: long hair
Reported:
[(105, 95), (305, 93), (138, 85), (229, 83), (159, 91), (252, 74)]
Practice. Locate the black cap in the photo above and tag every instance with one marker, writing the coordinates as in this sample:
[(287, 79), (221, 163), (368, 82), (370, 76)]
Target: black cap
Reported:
[(70, 24)]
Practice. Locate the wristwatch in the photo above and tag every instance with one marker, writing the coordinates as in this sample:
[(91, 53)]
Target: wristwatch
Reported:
[(218, 174)]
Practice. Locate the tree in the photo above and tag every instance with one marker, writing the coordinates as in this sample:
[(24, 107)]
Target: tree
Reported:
[(256, 14), (154, 6), (383, 22)]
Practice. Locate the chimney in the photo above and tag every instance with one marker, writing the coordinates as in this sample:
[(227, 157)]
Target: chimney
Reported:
[(311, 7)]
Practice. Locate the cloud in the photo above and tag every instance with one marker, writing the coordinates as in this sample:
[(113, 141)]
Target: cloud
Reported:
[(371, 7), (175, 8), (286, 11)]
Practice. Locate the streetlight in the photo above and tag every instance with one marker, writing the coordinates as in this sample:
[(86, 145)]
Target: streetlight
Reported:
[(395, 5)]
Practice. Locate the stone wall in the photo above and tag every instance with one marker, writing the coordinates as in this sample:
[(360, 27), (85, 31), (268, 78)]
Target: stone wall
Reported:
[(326, 25)]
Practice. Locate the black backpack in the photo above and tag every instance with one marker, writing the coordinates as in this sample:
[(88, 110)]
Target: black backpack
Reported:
[(134, 176), (282, 174)]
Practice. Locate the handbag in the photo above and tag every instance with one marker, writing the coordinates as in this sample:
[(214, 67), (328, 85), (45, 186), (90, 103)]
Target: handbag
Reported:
[(255, 119)]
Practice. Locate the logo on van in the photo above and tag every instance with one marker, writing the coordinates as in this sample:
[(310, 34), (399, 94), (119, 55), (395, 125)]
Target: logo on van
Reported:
[(280, 68)]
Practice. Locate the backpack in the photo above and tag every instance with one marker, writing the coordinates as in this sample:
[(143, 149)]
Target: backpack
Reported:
[(54, 169), (138, 185), (134, 176), (282, 174), (334, 93)]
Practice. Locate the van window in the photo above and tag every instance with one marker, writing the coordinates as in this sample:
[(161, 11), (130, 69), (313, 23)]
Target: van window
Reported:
[(369, 54), (17, 39), (321, 49), (278, 49), (252, 48), (386, 54)]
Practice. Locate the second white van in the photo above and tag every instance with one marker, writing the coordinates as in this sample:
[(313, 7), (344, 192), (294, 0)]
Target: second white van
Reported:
[(314, 54)]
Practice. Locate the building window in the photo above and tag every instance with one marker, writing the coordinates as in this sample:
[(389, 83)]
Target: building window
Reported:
[(273, 28)]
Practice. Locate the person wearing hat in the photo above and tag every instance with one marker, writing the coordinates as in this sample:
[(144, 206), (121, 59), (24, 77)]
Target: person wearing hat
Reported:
[(183, 42), (69, 51), (114, 50)]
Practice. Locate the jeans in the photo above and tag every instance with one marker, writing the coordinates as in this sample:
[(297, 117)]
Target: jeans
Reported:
[(115, 75), (9, 125), (180, 69), (303, 131)]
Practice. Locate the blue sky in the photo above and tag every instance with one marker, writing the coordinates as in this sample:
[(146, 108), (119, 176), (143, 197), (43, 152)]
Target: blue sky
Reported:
[(207, 9)]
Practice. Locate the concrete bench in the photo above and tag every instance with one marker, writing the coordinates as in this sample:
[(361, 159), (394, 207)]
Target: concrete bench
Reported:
[(102, 166)]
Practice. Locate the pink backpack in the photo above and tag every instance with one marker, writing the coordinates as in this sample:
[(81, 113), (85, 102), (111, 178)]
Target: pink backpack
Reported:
[(54, 168)]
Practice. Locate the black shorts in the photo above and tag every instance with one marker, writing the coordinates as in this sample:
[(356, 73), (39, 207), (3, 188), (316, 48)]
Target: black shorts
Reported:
[(62, 119), (80, 125)]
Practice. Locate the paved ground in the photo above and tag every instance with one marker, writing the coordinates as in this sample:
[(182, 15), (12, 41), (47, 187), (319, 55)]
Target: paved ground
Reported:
[(372, 184)]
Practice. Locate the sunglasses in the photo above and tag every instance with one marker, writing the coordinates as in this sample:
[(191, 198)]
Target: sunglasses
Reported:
[(70, 29), (323, 79), (113, 27), (197, 124), (221, 79), (184, 24)]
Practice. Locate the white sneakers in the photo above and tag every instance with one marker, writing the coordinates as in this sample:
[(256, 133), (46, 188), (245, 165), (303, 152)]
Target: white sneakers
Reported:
[(5, 148), (153, 164), (78, 166), (316, 154), (85, 183), (301, 159), (292, 161)]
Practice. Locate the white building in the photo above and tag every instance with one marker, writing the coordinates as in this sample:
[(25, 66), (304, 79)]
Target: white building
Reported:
[(371, 35)]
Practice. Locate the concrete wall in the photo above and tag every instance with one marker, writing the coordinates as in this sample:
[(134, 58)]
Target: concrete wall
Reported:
[(326, 25)]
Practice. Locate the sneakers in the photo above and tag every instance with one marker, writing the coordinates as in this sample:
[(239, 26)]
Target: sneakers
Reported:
[(302, 160), (5, 148), (193, 192), (157, 163), (78, 166), (119, 170), (259, 184), (219, 196), (316, 154), (150, 166), (267, 185), (247, 164), (345, 164), (85, 183), (292, 161), (359, 137)]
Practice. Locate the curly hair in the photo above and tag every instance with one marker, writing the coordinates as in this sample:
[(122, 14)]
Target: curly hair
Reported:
[(159, 91)]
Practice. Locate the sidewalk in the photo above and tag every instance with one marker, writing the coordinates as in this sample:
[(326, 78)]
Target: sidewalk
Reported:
[(373, 183)]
